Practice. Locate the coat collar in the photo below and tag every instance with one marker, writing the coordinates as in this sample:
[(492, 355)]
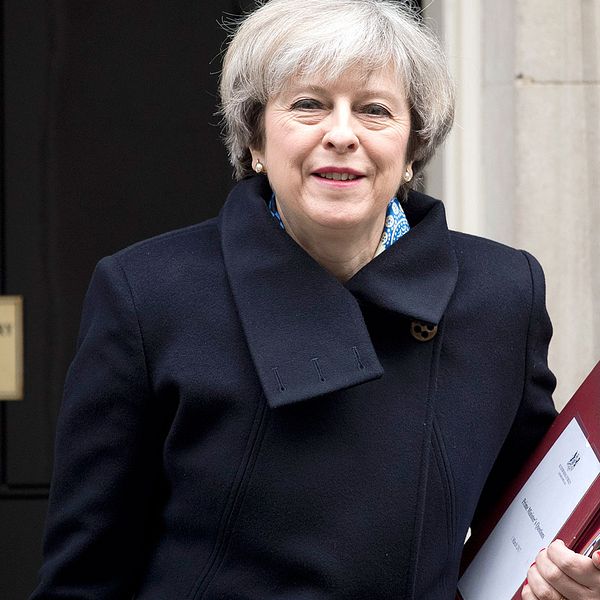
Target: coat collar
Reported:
[(304, 329)]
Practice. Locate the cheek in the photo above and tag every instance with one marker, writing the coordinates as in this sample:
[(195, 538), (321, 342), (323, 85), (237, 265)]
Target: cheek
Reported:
[(390, 165), (391, 157), (288, 156), (290, 143), (277, 147)]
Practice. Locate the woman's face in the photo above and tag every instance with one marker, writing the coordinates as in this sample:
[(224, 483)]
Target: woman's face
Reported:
[(336, 154)]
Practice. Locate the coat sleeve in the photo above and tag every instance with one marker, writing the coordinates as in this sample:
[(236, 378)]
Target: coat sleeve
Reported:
[(107, 460), (536, 411)]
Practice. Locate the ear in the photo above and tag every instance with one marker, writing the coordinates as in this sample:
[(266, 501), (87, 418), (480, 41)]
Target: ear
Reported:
[(257, 161), (256, 156), (408, 172), (254, 153)]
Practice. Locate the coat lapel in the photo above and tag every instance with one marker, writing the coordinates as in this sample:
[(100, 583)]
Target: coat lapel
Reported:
[(305, 331), (417, 275)]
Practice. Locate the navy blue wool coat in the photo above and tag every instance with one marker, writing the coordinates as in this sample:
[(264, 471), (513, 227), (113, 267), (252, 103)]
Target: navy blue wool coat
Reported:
[(237, 424)]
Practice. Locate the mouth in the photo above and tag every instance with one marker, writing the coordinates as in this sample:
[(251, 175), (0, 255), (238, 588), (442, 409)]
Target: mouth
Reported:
[(337, 174)]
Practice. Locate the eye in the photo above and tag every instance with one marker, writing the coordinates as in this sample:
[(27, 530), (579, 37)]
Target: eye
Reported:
[(376, 110), (306, 104)]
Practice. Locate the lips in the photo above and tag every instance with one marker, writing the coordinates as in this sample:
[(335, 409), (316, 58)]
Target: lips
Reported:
[(338, 174)]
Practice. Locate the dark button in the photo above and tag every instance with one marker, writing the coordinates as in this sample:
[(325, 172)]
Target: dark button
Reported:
[(423, 332)]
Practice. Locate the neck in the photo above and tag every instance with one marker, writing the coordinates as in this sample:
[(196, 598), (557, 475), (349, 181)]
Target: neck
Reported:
[(342, 252)]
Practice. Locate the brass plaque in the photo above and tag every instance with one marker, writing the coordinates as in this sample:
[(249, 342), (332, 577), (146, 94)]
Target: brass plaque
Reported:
[(11, 348)]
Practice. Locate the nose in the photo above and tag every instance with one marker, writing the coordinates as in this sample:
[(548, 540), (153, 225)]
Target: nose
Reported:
[(340, 133)]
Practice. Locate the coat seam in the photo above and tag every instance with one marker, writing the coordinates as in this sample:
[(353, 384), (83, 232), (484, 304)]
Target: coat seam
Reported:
[(425, 462), (232, 505), (529, 327), (242, 497), (447, 475), (137, 320)]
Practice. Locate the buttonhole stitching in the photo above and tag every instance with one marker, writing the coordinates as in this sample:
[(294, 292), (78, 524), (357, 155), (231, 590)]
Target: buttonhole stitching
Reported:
[(282, 387), (357, 356), (315, 362)]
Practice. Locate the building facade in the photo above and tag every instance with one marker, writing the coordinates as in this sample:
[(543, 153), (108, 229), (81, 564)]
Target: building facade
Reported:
[(522, 165)]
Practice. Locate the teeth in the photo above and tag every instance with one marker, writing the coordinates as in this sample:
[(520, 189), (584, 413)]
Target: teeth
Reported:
[(338, 176)]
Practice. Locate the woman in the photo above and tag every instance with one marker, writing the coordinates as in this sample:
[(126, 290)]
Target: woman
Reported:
[(317, 393)]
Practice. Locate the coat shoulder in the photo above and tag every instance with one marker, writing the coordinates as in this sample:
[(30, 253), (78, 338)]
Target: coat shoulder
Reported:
[(173, 269), (495, 261), (194, 240), (170, 256), (493, 275), (466, 244)]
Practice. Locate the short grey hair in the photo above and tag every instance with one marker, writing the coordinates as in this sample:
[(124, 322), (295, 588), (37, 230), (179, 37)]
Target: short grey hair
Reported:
[(283, 39)]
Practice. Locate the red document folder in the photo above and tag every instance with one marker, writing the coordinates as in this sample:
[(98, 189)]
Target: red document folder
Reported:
[(583, 525)]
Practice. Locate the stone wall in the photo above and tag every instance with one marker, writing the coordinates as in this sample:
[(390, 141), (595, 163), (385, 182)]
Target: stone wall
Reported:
[(527, 139)]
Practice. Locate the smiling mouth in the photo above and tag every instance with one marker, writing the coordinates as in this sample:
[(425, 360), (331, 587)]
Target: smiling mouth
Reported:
[(338, 176)]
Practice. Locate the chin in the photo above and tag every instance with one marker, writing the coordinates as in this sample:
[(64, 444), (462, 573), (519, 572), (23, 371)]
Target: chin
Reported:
[(329, 210), (339, 220)]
